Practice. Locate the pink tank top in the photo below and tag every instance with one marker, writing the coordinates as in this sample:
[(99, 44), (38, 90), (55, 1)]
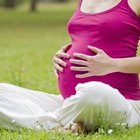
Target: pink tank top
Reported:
[(117, 32)]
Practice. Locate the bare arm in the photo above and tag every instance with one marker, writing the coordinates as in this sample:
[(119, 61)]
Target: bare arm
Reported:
[(127, 65), (138, 3)]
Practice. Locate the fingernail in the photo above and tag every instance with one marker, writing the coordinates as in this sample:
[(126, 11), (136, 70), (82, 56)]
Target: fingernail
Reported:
[(71, 68), (89, 46), (76, 76)]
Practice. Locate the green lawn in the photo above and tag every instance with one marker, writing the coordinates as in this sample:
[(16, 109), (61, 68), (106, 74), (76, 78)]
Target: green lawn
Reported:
[(28, 42)]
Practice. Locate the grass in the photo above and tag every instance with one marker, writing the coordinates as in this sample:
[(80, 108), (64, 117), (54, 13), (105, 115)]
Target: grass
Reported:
[(28, 42), (24, 134)]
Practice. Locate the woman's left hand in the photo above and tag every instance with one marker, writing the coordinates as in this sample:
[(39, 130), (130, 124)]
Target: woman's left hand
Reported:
[(100, 64)]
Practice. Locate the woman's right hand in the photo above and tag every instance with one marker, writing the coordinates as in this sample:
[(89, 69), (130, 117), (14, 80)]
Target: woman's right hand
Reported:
[(58, 62)]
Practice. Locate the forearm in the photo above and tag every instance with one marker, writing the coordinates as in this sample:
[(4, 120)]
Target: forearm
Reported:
[(127, 65)]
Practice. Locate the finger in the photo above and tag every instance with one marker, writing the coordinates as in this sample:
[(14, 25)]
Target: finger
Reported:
[(62, 54), (79, 62), (82, 56), (79, 68), (66, 47), (55, 72), (83, 75), (59, 61), (57, 67), (94, 49)]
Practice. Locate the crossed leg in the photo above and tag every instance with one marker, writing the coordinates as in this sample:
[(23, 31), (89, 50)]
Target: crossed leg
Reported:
[(96, 104), (27, 108)]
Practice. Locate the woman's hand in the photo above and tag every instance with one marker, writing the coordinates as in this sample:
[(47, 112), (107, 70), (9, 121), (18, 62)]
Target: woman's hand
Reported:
[(57, 59), (100, 64)]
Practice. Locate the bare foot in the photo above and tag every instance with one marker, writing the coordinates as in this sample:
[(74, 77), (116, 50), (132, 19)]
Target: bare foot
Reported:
[(78, 128), (61, 129)]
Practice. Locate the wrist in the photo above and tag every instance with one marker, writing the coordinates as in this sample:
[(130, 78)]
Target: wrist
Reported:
[(116, 64)]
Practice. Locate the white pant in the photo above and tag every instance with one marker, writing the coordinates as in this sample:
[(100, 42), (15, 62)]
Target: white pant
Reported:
[(95, 104)]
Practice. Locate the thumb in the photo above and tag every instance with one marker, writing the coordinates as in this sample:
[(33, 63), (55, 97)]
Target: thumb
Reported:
[(94, 49), (66, 47)]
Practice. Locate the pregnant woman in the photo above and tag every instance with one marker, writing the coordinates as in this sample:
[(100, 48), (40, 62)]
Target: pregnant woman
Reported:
[(97, 74)]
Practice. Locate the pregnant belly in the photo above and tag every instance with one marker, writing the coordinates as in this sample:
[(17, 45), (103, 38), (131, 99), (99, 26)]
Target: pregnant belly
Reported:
[(67, 80)]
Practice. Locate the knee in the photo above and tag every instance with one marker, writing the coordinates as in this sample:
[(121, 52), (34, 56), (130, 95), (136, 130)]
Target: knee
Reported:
[(3, 85), (93, 92)]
